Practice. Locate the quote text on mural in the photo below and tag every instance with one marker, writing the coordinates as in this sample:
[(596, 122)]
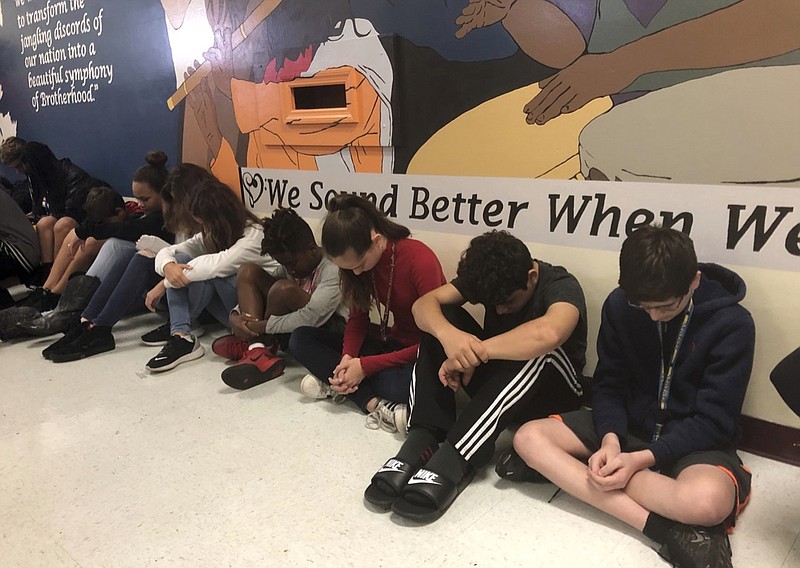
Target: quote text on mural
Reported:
[(57, 42)]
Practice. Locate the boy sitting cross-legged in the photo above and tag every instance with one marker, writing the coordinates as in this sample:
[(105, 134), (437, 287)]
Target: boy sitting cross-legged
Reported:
[(657, 450)]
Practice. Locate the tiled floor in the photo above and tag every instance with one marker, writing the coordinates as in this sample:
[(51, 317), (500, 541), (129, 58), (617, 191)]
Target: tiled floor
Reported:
[(104, 465)]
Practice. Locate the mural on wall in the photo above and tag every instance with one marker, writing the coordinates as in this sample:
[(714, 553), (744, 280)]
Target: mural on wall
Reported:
[(75, 75), (523, 88)]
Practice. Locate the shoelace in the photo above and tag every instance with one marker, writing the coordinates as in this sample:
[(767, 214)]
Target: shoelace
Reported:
[(382, 417)]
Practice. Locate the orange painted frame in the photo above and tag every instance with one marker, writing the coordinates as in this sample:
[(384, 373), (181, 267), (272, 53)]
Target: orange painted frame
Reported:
[(349, 114)]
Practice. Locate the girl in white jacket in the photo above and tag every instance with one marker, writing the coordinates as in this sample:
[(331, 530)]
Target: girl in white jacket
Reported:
[(200, 273)]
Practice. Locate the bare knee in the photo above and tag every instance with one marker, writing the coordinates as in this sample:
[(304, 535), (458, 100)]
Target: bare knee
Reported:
[(249, 273), (706, 502), (46, 224), (64, 225), (532, 441)]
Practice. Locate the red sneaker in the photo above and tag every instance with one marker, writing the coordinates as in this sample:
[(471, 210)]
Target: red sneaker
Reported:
[(257, 366), (230, 347)]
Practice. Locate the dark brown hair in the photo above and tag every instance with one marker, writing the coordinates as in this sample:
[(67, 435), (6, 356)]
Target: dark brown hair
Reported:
[(655, 264), (221, 215), (178, 189), (102, 203), (153, 172), (348, 226)]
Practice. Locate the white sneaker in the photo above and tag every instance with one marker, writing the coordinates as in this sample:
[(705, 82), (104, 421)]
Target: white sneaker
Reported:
[(389, 416), (312, 387)]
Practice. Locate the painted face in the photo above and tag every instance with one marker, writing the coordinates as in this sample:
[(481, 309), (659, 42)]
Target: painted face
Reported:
[(299, 265), (365, 262), (147, 198)]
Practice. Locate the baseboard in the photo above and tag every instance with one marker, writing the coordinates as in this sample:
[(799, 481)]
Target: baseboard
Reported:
[(770, 440)]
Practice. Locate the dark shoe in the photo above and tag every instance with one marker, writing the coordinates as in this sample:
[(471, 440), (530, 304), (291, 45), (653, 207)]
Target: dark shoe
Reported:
[(157, 336), (41, 299), (427, 495), (71, 335), (697, 547), (256, 367), (513, 468), (178, 350), (6, 301), (161, 334), (49, 323), (388, 482), (9, 318), (94, 340)]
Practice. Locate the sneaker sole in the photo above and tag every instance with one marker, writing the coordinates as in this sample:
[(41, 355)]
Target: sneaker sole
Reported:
[(67, 357), (243, 377), (196, 354)]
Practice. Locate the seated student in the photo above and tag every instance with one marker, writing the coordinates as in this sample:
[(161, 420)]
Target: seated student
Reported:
[(19, 247), (527, 358), (58, 191), (103, 203), (675, 351), (369, 364), (104, 208), (118, 246), (200, 273), (304, 291), (118, 297)]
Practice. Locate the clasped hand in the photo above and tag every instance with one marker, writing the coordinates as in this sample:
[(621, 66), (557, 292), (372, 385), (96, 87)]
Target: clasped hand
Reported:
[(610, 468), (347, 375)]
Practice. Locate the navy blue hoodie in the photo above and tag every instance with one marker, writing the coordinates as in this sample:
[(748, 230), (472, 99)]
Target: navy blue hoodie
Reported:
[(710, 376)]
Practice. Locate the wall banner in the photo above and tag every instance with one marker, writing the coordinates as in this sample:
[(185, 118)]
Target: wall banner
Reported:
[(740, 225)]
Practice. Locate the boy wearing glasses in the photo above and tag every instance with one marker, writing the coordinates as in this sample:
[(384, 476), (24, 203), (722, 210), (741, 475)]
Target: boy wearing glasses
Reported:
[(657, 450)]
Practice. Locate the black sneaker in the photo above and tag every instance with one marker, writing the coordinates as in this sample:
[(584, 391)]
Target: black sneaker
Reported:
[(161, 334), (513, 468), (95, 340), (697, 547), (157, 336), (179, 349), (40, 299), (71, 335)]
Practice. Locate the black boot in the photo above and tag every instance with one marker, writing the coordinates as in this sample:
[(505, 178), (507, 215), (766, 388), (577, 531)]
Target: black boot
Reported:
[(73, 301)]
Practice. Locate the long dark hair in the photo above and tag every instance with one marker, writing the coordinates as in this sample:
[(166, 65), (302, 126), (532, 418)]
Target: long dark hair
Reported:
[(221, 215), (178, 189), (348, 226)]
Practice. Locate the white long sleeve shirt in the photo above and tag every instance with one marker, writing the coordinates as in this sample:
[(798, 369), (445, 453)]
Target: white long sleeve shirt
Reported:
[(219, 264)]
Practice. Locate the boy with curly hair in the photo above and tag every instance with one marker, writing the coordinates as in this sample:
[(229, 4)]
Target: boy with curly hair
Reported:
[(525, 361)]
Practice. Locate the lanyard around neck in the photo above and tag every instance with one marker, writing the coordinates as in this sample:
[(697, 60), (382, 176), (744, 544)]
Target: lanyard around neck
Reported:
[(384, 326), (665, 376)]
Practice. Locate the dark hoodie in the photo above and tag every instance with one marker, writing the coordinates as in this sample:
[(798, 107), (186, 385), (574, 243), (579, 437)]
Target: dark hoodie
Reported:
[(710, 376)]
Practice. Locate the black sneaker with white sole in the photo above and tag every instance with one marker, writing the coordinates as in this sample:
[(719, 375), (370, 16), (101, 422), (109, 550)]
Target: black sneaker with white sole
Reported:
[(161, 334), (157, 336), (179, 349), (697, 547)]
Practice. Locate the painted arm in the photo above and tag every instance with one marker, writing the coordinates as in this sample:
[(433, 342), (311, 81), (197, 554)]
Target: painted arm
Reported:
[(750, 30)]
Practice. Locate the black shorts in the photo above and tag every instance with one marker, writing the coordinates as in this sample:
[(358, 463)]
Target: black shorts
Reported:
[(582, 425)]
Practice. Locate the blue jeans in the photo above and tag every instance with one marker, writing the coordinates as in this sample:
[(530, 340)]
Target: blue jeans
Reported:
[(319, 350), (112, 259), (216, 295), (115, 299)]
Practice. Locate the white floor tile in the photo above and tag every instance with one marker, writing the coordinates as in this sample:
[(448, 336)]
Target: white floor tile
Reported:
[(105, 465)]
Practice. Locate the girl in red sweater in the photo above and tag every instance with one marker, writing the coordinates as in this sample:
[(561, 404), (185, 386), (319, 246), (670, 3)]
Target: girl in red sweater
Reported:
[(371, 363)]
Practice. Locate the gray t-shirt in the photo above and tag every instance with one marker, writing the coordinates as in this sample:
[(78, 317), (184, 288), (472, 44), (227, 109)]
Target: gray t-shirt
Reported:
[(554, 285)]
